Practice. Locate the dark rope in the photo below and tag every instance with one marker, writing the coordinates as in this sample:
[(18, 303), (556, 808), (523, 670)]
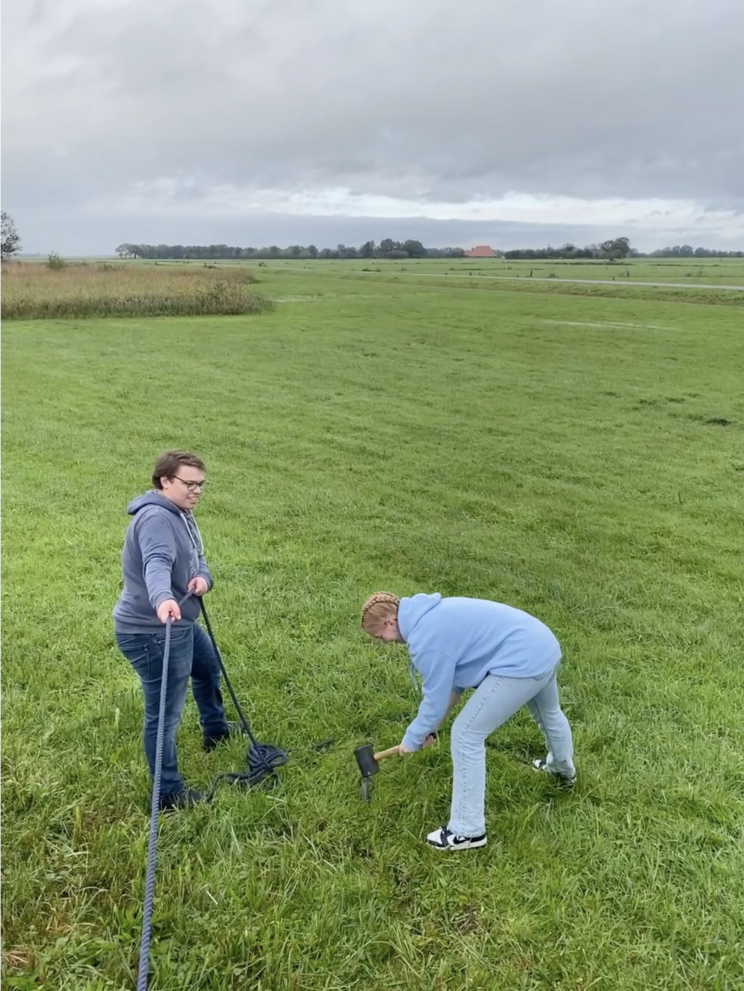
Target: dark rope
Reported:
[(262, 758), (144, 955)]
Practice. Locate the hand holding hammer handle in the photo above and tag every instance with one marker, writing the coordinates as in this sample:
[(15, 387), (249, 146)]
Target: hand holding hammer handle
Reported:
[(387, 753), (396, 750)]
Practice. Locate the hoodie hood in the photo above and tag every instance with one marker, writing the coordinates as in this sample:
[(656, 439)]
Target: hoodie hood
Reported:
[(153, 498), (411, 610)]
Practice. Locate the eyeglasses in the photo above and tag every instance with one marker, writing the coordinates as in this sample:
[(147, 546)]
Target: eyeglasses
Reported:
[(193, 486)]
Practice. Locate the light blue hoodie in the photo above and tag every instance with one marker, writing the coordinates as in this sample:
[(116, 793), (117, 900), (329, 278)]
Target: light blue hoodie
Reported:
[(162, 552), (455, 642)]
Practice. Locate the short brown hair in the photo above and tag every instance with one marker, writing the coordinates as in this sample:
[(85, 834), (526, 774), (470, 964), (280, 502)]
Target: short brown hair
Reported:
[(376, 610), (168, 463)]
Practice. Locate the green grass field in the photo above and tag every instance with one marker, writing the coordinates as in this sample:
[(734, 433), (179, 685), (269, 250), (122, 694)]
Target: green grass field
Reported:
[(579, 456), (692, 271)]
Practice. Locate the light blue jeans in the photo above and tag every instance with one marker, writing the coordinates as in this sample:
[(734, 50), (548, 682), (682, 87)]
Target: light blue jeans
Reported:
[(494, 702)]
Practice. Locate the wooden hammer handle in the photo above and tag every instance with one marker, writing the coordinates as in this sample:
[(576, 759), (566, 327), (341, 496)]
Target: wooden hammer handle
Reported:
[(387, 753)]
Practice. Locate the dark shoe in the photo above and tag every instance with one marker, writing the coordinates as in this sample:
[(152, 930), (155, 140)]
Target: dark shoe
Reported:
[(182, 799), (233, 729)]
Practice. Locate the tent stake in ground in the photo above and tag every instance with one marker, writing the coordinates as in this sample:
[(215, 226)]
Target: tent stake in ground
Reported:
[(367, 761)]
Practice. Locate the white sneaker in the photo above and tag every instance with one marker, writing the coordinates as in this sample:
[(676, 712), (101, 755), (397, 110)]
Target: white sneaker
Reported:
[(444, 839), (542, 765)]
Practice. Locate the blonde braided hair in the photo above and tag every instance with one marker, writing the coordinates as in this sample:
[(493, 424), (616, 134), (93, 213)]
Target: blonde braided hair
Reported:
[(377, 609)]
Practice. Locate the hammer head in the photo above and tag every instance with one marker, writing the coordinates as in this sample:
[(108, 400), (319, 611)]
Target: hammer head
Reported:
[(365, 757)]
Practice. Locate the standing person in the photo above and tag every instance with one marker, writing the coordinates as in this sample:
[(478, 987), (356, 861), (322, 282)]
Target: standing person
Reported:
[(163, 560), (508, 657)]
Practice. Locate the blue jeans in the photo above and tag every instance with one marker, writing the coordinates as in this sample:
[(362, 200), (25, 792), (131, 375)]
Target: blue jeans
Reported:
[(191, 655), (494, 702)]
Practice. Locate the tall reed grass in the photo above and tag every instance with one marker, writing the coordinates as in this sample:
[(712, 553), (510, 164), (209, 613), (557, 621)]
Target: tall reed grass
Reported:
[(37, 292)]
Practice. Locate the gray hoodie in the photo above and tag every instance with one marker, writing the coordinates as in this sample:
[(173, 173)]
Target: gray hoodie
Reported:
[(162, 553)]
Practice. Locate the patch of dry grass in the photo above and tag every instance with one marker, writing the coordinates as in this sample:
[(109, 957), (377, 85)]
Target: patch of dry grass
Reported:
[(37, 292)]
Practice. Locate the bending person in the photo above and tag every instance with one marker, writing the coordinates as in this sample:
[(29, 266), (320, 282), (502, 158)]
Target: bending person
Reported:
[(508, 657)]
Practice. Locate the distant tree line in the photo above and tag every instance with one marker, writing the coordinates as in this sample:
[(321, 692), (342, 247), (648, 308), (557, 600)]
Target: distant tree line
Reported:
[(617, 249), (687, 251), (614, 249), (387, 249), (611, 250)]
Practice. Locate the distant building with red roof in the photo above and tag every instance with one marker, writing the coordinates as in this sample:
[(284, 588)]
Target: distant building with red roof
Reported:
[(482, 251)]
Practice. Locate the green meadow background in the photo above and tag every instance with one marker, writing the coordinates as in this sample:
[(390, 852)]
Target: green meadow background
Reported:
[(572, 449)]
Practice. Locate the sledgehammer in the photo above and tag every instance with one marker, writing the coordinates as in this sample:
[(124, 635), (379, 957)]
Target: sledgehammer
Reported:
[(367, 761)]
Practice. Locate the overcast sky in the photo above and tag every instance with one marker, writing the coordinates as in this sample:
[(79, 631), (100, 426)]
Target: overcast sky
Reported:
[(258, 122)]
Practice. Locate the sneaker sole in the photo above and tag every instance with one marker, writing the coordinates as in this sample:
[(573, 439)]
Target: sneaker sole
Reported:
[(460, 846)]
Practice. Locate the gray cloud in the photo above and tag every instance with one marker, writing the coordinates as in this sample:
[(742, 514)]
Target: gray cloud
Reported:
[(427, 101)]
